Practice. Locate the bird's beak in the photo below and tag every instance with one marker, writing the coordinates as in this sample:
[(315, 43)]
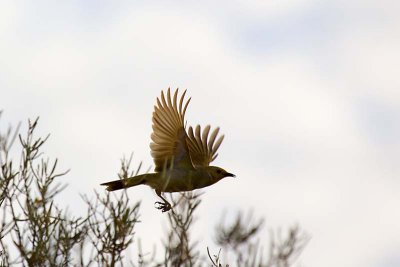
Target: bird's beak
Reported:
[(230, 175)]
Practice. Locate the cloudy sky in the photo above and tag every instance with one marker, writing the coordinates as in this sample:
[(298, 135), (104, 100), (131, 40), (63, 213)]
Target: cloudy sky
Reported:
[(306, 92)]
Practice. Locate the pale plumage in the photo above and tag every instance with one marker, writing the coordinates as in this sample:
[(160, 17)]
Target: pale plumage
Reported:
[(181, 158), (169, 147), (203, 152)]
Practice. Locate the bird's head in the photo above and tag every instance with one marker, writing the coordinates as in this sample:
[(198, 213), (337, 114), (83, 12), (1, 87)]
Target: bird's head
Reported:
[(218, 173)]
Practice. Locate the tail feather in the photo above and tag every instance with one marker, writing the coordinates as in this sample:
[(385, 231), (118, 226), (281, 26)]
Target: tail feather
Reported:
[(125, 183), (114, 185)]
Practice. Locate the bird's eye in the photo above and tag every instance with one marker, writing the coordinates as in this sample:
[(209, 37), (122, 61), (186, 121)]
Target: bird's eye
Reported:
[(219, 171)]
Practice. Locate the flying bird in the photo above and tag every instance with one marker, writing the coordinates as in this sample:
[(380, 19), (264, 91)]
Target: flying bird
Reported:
[(182, 158)]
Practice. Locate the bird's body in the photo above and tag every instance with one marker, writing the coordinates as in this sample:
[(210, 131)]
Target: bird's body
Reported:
[(175, 180), (182, 158)]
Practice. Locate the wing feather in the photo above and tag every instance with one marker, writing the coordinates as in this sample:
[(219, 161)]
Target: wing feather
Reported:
[(198, 138), (169, 139), (204, 137), (193, 143), (202, 146), (216, 146), (212, 138)]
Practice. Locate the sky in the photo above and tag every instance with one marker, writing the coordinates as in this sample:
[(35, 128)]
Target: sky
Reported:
[(306, 92)]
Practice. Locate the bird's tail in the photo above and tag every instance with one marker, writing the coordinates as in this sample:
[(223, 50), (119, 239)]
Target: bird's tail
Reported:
[(114, 185), (125, 183)]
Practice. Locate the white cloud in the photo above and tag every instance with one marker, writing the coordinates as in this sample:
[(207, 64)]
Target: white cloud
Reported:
[(292, 132)]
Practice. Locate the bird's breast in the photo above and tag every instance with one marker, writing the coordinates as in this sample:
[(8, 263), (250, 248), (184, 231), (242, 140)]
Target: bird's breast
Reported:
[(181, 180)]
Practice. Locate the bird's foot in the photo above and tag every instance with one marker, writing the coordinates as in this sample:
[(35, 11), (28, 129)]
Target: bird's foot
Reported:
[(163, 206)]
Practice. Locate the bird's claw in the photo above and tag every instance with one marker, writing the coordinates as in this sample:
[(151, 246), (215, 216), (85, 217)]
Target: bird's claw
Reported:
[(163, 206)]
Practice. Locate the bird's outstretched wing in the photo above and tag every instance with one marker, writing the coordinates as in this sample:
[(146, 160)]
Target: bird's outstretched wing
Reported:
[(169, 148), (203, 150)]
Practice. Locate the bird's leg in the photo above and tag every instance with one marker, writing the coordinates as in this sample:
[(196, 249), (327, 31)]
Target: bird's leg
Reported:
[(163, 206)]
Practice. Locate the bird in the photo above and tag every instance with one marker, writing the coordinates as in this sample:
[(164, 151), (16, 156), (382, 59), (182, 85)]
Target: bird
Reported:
[(182, 158)]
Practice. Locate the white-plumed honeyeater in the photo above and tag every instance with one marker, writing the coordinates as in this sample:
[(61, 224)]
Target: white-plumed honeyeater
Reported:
[(182, 159)]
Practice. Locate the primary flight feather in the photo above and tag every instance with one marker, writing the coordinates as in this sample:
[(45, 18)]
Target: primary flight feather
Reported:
[(182, 159)]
